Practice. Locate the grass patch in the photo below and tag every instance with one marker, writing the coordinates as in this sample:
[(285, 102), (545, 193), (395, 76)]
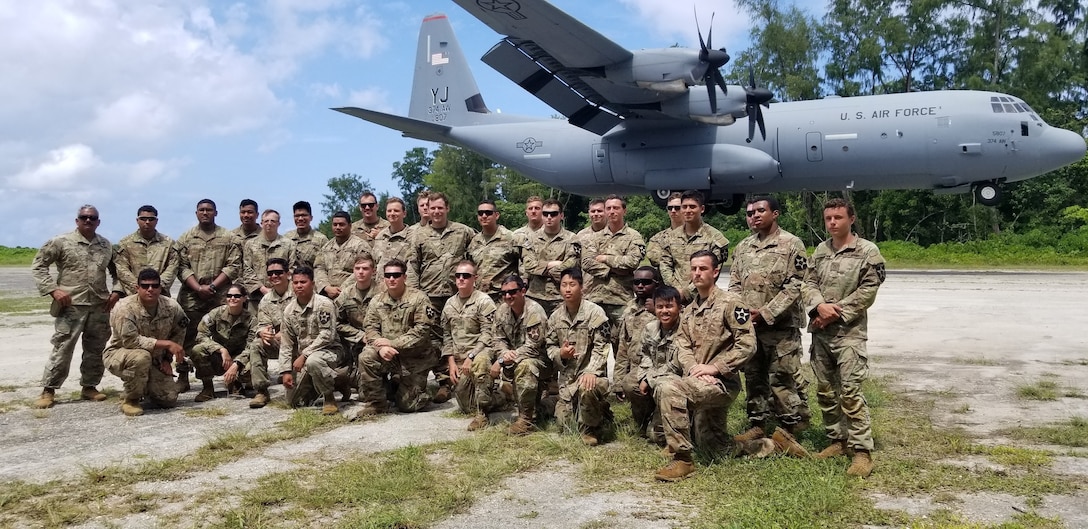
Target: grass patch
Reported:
[(18, 256), (1040, 390), (1073, 433), (209, 412), (23, 304)]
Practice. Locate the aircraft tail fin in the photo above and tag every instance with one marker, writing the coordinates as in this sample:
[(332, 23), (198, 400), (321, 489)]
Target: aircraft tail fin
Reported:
[(443, 90)]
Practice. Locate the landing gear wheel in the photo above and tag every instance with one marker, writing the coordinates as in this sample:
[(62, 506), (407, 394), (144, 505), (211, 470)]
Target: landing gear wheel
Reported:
[(731, 205), (988, 193), (661, 197)]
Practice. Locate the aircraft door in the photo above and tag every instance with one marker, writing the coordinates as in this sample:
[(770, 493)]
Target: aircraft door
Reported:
[(814, 147), (602, 166)]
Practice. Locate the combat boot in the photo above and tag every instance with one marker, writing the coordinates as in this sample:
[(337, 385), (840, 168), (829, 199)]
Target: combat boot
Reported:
[(92, 393), (370, 409), (677, 469), (46, 400), (862, 465), (343, 385), (206, 394), (183, 378), (132, 408), (753, 433), (589, 437), (478, 423), (442, 395), (758, 448), (524, 425), (330, 407), (787, 444), (837, 448), (260, 400)]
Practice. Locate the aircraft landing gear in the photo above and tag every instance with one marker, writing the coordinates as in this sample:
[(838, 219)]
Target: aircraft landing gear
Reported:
[(988, 193), (731, 205), (661, 197)]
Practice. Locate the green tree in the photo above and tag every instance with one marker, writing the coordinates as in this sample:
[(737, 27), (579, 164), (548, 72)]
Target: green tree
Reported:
[(785, 47), (343, 195), (410, 175)]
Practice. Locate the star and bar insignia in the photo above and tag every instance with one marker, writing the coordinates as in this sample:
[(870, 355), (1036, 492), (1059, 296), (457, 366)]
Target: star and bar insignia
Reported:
[(800, 262), (324, 317)]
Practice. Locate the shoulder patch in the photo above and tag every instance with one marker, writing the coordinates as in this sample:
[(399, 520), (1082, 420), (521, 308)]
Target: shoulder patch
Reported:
[(324, 317), (881, 273), (800, 262), (431, 313), (742, 315), (533, 333), (577, 246)]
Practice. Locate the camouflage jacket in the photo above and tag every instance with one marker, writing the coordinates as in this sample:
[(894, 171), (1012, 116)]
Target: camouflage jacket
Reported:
[(495, 258), (307, 329), (589, 331), (134, 254), (540, 248), (525, 335), (434, 254), (848, 277), (135, 328), (467, 325), (716, 331), (623, 251), (81, 267), (768, 275)]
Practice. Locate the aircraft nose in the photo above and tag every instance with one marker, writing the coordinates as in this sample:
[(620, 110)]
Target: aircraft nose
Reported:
[(1060, 148)]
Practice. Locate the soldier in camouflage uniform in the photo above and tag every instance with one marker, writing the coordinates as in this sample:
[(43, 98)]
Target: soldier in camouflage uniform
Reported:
[(534, 220), (423, 207), (81, 303), (148, 329), (400, 327), (351, 307), (394, 240), (258, 250), (467, 321), (221, 339), (494, 250), (636, 315), (611, 256), (694, 236), (845, 274), (367, 228), (209, 258), (265, 345), (247, 214), (336, 260), (597, 223), (768, 269), (521, 327), (658, 360), (578, 342), (309, 345), (146, 248), (546, 253), (655, 247), (308, 241)]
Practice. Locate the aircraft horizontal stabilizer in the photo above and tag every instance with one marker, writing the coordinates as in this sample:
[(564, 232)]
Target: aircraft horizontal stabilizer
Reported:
[(411, 127)]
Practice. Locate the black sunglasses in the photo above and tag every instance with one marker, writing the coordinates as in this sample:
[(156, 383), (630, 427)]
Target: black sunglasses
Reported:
[(367, 204), (644, 281), (271, 273), (88, 218), (673, 208), (149, 286), (462, 275), (550, 213), (393, 275), (234, 296), (510, 292), (485, 212)]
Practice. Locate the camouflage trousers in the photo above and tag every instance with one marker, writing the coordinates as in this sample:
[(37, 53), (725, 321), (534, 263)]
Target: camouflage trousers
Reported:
[(531, 379), (142, 377), (476, 391), (643, 410), (841, 366), (770, 378), (693, 410), (258, 365), (88, 322), (587, 408), (317, 378), (208, 363), (407, 371)]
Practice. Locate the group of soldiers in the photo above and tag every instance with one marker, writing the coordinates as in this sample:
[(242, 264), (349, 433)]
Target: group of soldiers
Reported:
[(528, 318)]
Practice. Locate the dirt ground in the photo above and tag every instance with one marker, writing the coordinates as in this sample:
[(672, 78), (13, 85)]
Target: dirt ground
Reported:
[(969, 338)]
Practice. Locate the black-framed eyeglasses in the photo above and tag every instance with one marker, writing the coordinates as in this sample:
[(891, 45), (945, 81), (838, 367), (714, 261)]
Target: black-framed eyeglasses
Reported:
[(485, 212), (644, 282), (462, 275), (234, 296), (88, 218), (149, 286), (271, 273), (367, 205), (754, 211), (393, 275), (673, 208), (510, 292), (147, 219), (550, 213)]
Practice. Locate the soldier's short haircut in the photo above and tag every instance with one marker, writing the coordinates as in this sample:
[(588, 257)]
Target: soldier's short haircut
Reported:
[(692, 194), (395, 263), (616, 197), (574, 272), (394, 200), (489, 202), (303, 205), (438, 195), (148, 208), (514, 278), (148, 274), (675, 195), (268, 212), (276, 261), (667, 293), (363, 257), (840, 203), (597, 200), (86, 206), (343, 215), (771, 202), (303, 270), (208, 201), (464, 262), (552, 202), (367, 193), (706, 253), (241, 289), (533, 198), (652, 269), (423, 195), (249, 202)]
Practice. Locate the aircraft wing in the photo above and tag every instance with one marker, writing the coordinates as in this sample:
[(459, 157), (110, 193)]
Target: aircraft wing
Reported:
[(411, 127)]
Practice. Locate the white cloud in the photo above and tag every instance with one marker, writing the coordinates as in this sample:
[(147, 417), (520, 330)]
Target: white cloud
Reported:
[(323, 90), (372, 98), (59, 169)]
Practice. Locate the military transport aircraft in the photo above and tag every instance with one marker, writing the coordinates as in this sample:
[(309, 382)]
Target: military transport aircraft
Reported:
[(639, 121)]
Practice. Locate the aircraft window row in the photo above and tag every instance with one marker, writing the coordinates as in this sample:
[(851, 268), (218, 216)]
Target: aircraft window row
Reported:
[(1007, 105)]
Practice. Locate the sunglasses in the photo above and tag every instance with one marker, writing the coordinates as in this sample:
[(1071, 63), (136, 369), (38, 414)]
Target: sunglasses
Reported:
[(485, 212), (510, 292), (149, 286), (393, 275), (234, 296), (271, 273), (88, 218), (673, 208), (367, 205), (147, 219), (754, 211), (462, 275), (644, 282), (550, 213)]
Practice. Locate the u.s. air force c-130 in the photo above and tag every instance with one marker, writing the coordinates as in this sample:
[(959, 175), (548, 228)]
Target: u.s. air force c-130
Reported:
[(657, 120)]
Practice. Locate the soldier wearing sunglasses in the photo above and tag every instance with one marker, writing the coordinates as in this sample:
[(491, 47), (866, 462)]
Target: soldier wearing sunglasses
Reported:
[(494, 251), (368, 227), (266, 344), (147, 247)]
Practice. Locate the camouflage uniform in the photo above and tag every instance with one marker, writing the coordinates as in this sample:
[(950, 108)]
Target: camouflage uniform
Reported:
[(362, 230), (526, 335), (434, 254), (655, 247), (495, 258), (255, 255), (849, 277), (612, 288), (624, 374), (135, 254), (306, 247), (676, 257), (466, 333), (205, 255), (269, 314), (543, 281), (243, 235), (715, 331), (768, 275), (351, 306), (389, 245), (131, 354), (218, 329), (409, 324), (310, 330), (583, 237), (81, 272), (335, 263), (658, 363), (589, 331)]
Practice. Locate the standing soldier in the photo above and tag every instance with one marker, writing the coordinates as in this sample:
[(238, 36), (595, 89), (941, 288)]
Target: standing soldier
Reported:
[(336, 260), (368, 227), (494, 251), (81, 304), (209, 258), (521, 327), (533, 217), (846, 273), (308, 241), (694, 236), (597, 222), (655, 247), (423, 207), (546, 253), (393, 241), (309, 345), (247, 214), (636, 315), (467, 321), (146, 248), (400, 348), (269, 329), (148, 329), (578, 341), (258, 250), (222, 337), (611, 256), (768, 270)]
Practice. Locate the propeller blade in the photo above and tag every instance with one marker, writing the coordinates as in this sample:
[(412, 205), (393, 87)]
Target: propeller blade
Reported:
[(702, 45), (759, 121), (721, 81), (751, 125), (713, 97), (710, 32)]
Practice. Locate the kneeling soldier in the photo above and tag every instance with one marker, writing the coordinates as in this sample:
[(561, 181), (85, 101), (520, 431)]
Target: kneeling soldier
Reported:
[(309, 345), (467, 321), (519, 334), (221, 338)]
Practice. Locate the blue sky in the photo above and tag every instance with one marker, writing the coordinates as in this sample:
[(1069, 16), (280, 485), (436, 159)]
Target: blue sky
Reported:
[(121, 103)]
